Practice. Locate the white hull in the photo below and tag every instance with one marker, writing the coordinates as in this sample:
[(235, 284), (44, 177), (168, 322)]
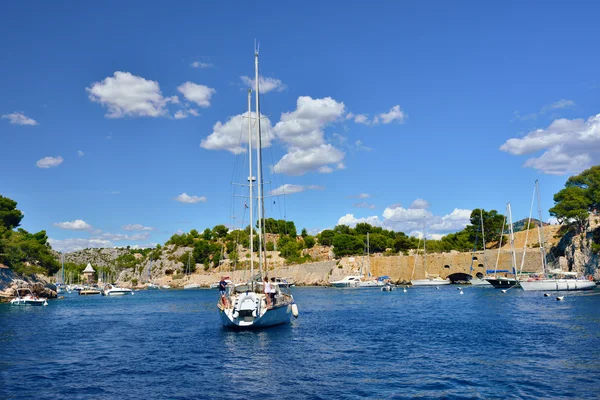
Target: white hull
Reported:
[(370, 284), (430, 282), (347, 282), (479, 282), (192, 286), (558, 284), (249, 310), (118, 293), (29, 302)]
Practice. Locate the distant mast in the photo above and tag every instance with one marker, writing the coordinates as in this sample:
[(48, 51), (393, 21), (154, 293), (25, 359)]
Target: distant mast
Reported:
[(541, 229), (259, 165), (250, 181)]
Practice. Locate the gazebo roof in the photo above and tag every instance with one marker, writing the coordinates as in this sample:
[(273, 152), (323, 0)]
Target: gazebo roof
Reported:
[(89, 269)]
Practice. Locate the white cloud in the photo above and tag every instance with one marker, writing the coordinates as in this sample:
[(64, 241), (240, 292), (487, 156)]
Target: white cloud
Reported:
[(303, 128), (233, 134), (360, 196), (363, 205), (137, 227), (351, 220), (301, 161), (185, 198), (180, 114), (558, 105), (18, 118), (76, 225), (117, 237), (395, 114), (349, 115), (265, 84), (199, 94), (290, 188), (419, 204), (69, 245), (48, 162), (125, 94), (200, 64), (359, 146), (193, 111), (80, 153), (361, 119), (569, 146), (413, 220)]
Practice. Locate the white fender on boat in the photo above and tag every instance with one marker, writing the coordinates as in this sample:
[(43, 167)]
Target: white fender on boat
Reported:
[(45, 303), (295, 310), (560, 298)]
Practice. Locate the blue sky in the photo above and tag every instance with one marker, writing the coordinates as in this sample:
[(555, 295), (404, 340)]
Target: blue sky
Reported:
[(387, 112)]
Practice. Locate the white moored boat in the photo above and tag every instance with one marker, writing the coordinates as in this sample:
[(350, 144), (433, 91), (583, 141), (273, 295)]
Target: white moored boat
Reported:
[(25, 297), (350, 281), (247, 305), (560, 280), (430, 279), (112, 290), (192, 286)]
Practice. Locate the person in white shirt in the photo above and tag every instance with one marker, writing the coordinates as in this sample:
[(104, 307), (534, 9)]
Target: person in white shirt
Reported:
[(267, 290)]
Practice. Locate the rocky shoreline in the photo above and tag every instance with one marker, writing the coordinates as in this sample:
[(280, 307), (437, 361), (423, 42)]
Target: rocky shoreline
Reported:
[(10, 282)]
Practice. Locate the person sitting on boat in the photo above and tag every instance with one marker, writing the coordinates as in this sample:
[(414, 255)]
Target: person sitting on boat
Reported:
[(273, 291), (267, 291), (222, 288)]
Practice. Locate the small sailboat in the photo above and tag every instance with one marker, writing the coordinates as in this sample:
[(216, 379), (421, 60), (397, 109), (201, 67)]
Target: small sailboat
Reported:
[(503, 282), (247, 305), (188, 271), (479, 280), (557, 279), (430, 279)]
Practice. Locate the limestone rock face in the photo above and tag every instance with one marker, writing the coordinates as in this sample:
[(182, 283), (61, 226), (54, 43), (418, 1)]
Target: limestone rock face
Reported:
[(576, 250), (9, 282)]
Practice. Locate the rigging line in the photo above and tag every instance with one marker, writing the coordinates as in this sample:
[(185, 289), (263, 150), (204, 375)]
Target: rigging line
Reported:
[(499, 246), (527, 232)]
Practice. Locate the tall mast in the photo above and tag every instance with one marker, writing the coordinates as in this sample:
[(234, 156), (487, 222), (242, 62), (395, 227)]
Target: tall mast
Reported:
[(541, 229), (425, 251), (512, 241), (250, 185), (259, 165), (368, 254), (483, 239), (63, 269)]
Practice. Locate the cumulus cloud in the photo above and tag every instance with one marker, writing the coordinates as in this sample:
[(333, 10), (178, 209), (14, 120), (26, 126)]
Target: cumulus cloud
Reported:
[(117, 237), (566, 146), (125, 94), (180, 114), (419, 203), (76, 225), (200, 64), (360, 196), (137, 227), (290, 188), (199, 94), (395, 114), (69, 245), (265, 84), (300, 161), (18, 118), (361, 119), (185, 198), (49, 162), (303, 128), (412, 220), (233, 134)]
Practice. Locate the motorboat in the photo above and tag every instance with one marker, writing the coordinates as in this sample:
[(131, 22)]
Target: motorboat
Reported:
[(25, 297), (192, 286), (351, 281), (113, 290), (89, 291), (165, 287), (285, 282), (152, 286), (388, 287)]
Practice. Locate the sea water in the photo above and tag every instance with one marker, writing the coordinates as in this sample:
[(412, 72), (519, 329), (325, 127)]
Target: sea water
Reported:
[(351, 343)]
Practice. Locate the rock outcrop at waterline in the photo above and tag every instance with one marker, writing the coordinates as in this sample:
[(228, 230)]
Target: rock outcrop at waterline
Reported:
[(578, 251), (10, 282)]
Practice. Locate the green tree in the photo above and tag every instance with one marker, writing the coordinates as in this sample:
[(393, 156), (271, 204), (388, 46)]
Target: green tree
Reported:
[(309, 241), (571, 206), (589, 181), (326, 237), (304, 233), (10, 217), (344, 244), (362, 228), (492, 225), (207, 234), (220, 231)]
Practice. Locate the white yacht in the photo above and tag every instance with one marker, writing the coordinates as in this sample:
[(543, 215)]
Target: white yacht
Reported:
[(112, 290), (247, 305), (430, 280), (351, 281), (192, 286), (25, 297), (558, 280)]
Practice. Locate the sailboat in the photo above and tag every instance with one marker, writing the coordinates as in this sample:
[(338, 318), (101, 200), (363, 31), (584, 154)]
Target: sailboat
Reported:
[(501, 282), (188, 271), (246, 305), (372, 283), (430, 279), (475, 281), (557, 279)]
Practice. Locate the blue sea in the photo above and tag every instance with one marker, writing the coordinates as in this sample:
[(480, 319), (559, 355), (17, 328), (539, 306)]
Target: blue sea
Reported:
[(425, 343)]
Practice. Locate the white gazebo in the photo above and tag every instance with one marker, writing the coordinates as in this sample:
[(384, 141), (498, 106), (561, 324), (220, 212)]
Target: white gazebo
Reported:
[(88, 273)]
